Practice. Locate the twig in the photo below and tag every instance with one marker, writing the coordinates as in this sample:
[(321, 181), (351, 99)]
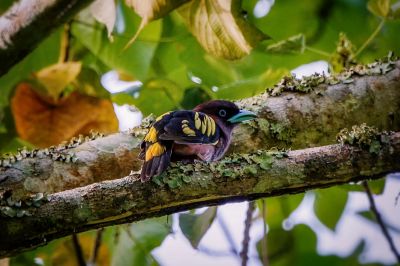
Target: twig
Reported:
[(264, 250), (370, 38), (96, 247), (319, 52), (246, 238), (78, 250), (380, 221), (227, 234)]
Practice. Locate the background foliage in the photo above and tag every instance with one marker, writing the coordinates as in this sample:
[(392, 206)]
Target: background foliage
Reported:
[(182, 59)]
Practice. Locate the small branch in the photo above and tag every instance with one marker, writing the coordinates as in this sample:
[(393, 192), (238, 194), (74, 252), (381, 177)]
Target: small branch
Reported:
[(380, 221), (96, 246), (246, 235), (264, 250), (78, 250), (25, 17)]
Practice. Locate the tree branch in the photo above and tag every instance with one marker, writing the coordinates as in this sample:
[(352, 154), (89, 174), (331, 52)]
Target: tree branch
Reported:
[(25, 17), (236, 178), (293, 120)]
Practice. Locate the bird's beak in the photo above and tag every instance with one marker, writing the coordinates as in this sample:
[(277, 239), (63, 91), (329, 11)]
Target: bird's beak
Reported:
[(243, 115)]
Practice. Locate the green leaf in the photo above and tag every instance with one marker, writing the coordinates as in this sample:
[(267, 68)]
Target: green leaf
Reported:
[(294, 44), (380, 8), (195, 226), (45, 54), (220, 28), (156, 96), (329, 205), (135, 60), (377, 186), (151, 10), (194, 96), (138, 240), (88, 82)]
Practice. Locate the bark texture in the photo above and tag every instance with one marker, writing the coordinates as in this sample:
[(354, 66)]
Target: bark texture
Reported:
[(292, 119), (25, 17), (235, 178)]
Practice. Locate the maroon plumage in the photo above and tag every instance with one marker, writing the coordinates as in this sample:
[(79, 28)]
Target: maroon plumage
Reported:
[(203, 133)]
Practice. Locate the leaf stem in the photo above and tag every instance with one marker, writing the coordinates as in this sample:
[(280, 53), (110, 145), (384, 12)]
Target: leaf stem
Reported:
[(318, 51), (96, 247), (370, 38), (379, 219)]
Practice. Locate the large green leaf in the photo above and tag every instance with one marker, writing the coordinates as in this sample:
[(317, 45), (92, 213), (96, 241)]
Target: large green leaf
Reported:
[(220, 28), (135, 60), (329, 205), (136, 242), (195, 226), (156, 96)]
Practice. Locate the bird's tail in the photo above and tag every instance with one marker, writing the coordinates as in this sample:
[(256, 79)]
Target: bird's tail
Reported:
[(157, 157)]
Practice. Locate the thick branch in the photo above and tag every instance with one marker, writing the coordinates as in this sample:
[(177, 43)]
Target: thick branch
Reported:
[(39, 17), (291, 120), (236, 178)]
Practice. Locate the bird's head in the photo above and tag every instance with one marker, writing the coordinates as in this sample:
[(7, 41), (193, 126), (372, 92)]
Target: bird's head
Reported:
[(225, 111)]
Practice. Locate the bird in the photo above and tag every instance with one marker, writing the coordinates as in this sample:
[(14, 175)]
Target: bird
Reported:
[(203, 133)]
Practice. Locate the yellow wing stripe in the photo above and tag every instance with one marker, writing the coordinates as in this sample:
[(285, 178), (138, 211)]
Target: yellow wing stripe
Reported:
[(197, 121), (154, 150), (204, 125), (151, 136), (161, 116), (209, 125)]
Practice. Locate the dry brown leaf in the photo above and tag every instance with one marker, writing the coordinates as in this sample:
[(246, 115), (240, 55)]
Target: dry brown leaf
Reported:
[(43, 122)]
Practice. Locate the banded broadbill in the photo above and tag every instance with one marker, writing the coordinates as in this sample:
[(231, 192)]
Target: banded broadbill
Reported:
[(203, 133)]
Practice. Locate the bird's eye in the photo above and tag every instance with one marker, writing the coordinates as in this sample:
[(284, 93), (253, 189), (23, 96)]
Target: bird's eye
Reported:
[(222, 113)]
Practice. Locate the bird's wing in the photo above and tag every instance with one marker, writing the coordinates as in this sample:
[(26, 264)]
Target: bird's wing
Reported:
[(183, 127), (189, 127)]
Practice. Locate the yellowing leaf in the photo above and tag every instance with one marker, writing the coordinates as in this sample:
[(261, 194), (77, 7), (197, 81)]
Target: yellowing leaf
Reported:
[(43, 122), (105, 12), (380, 8), (56, 77), (150, 10), (220, 28)]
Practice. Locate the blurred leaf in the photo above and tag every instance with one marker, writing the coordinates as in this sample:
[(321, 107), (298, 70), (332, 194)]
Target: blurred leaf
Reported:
[(377, 186), (88, 83), (329, 205), (395, 10), (151, 10), (105, 12), (134, 61), (194, 96), (294, 44), (195, 226), (55, 78), (156, 96), (220, 28), (136, 243), (45, 54), (64, 253), (252, 86), (380, 8), (44, 123), (14, 144)]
